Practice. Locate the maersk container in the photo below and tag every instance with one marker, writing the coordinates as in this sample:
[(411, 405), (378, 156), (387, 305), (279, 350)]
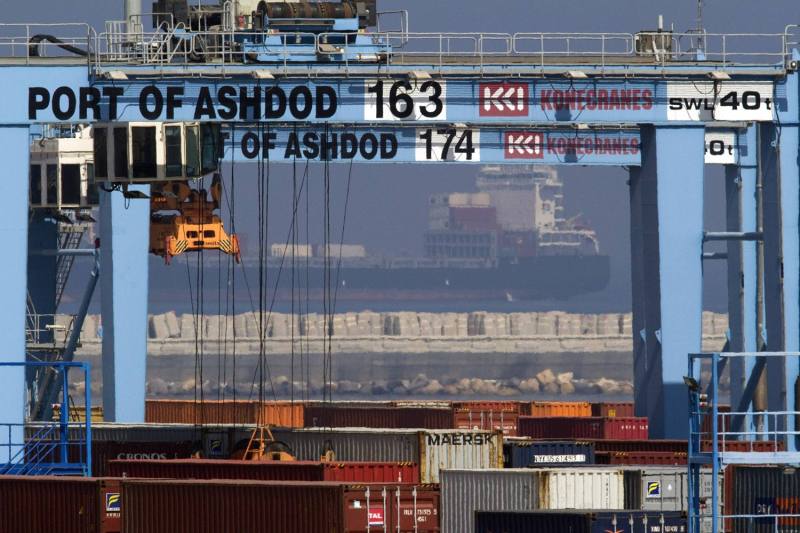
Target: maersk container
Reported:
[(580, 522), (762, 490), (267, 470), (467, 491), (156, 506), (525, 453), (474, 450), (432, 450)]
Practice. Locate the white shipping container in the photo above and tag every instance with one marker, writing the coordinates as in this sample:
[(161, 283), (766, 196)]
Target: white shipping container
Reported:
[(581, 488), (342, 250), (454, 449), (291, 250)]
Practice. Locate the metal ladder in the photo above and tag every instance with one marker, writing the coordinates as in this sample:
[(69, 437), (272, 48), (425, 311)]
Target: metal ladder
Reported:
[(70, 236)]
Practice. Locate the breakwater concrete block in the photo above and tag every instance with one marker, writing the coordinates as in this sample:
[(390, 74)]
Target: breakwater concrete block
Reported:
[(188, 331), (157, 327), (173, 325)]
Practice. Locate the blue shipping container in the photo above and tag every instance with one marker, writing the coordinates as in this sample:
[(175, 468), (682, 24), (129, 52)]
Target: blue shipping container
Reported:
[(529, 454), (580, 522)]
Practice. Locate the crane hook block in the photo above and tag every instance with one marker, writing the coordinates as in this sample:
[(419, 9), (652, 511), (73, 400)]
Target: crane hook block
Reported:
[(182, 220)]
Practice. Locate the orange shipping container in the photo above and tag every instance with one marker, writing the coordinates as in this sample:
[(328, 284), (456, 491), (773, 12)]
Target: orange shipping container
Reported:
[(282, 414), (563, 409)]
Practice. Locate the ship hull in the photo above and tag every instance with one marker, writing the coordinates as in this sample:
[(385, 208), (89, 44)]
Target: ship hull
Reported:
[(546, 277)]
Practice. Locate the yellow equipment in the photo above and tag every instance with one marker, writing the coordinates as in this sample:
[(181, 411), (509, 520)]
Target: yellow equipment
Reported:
[(194, 228)]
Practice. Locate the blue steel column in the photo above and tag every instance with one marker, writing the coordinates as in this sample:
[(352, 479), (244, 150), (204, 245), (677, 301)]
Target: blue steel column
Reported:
[(740, 192), (638, 294), (671, 178), (124, 242), (14, 234)]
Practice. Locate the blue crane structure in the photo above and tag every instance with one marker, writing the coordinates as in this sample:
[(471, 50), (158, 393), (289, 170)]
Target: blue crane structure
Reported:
[(321, 85)]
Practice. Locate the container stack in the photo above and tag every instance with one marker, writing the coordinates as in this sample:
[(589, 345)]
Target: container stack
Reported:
[(439, 467)]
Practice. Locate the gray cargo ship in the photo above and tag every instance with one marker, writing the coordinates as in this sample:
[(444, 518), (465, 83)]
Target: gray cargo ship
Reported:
[(510, 240)]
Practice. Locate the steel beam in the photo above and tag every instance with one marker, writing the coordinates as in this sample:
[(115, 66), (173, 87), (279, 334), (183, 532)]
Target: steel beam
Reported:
[(740, 196), (14, 235), (42, 261), (124, 242), (670, 181)]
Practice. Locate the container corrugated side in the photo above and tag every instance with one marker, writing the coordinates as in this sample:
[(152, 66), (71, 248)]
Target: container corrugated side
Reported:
[(467, 491), (612, 409), (642, 458), (583, 428), (640, 445), (352, 444), (667, 489), (458, 449), (524, 453), (378, 417), (361, 472), (757, 490), (580, 522), (505, 421), (34, 504), (156, 506), (276, 413), (562, 409), (581, 488)]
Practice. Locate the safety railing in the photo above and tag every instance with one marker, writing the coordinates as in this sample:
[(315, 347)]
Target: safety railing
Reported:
[(48, 330), (28, 42), (127, 42), (47, 447)]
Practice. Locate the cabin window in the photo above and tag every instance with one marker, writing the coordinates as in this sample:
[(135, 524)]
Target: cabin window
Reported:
[(192, 151), (52, 185), (143, 144), (92, 196), (100, 136), (172, 144), (71, 184), (121, 153), (212, 149), (36, 184)]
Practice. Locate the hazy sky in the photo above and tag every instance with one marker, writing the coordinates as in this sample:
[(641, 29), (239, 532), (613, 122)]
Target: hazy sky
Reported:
[(388, 203)]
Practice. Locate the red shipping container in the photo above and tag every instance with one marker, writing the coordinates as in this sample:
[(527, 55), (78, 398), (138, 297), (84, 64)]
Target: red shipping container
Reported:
[(636, 445), (379, 417), (612, 409), (505, 421), (641, 458), (354, 472), (59, 504), (583, 428), (156, 506), (502, 406)]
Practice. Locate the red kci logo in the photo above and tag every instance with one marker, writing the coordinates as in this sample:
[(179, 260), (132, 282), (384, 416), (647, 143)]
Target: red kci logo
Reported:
[(503, 100), (523, 145)]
